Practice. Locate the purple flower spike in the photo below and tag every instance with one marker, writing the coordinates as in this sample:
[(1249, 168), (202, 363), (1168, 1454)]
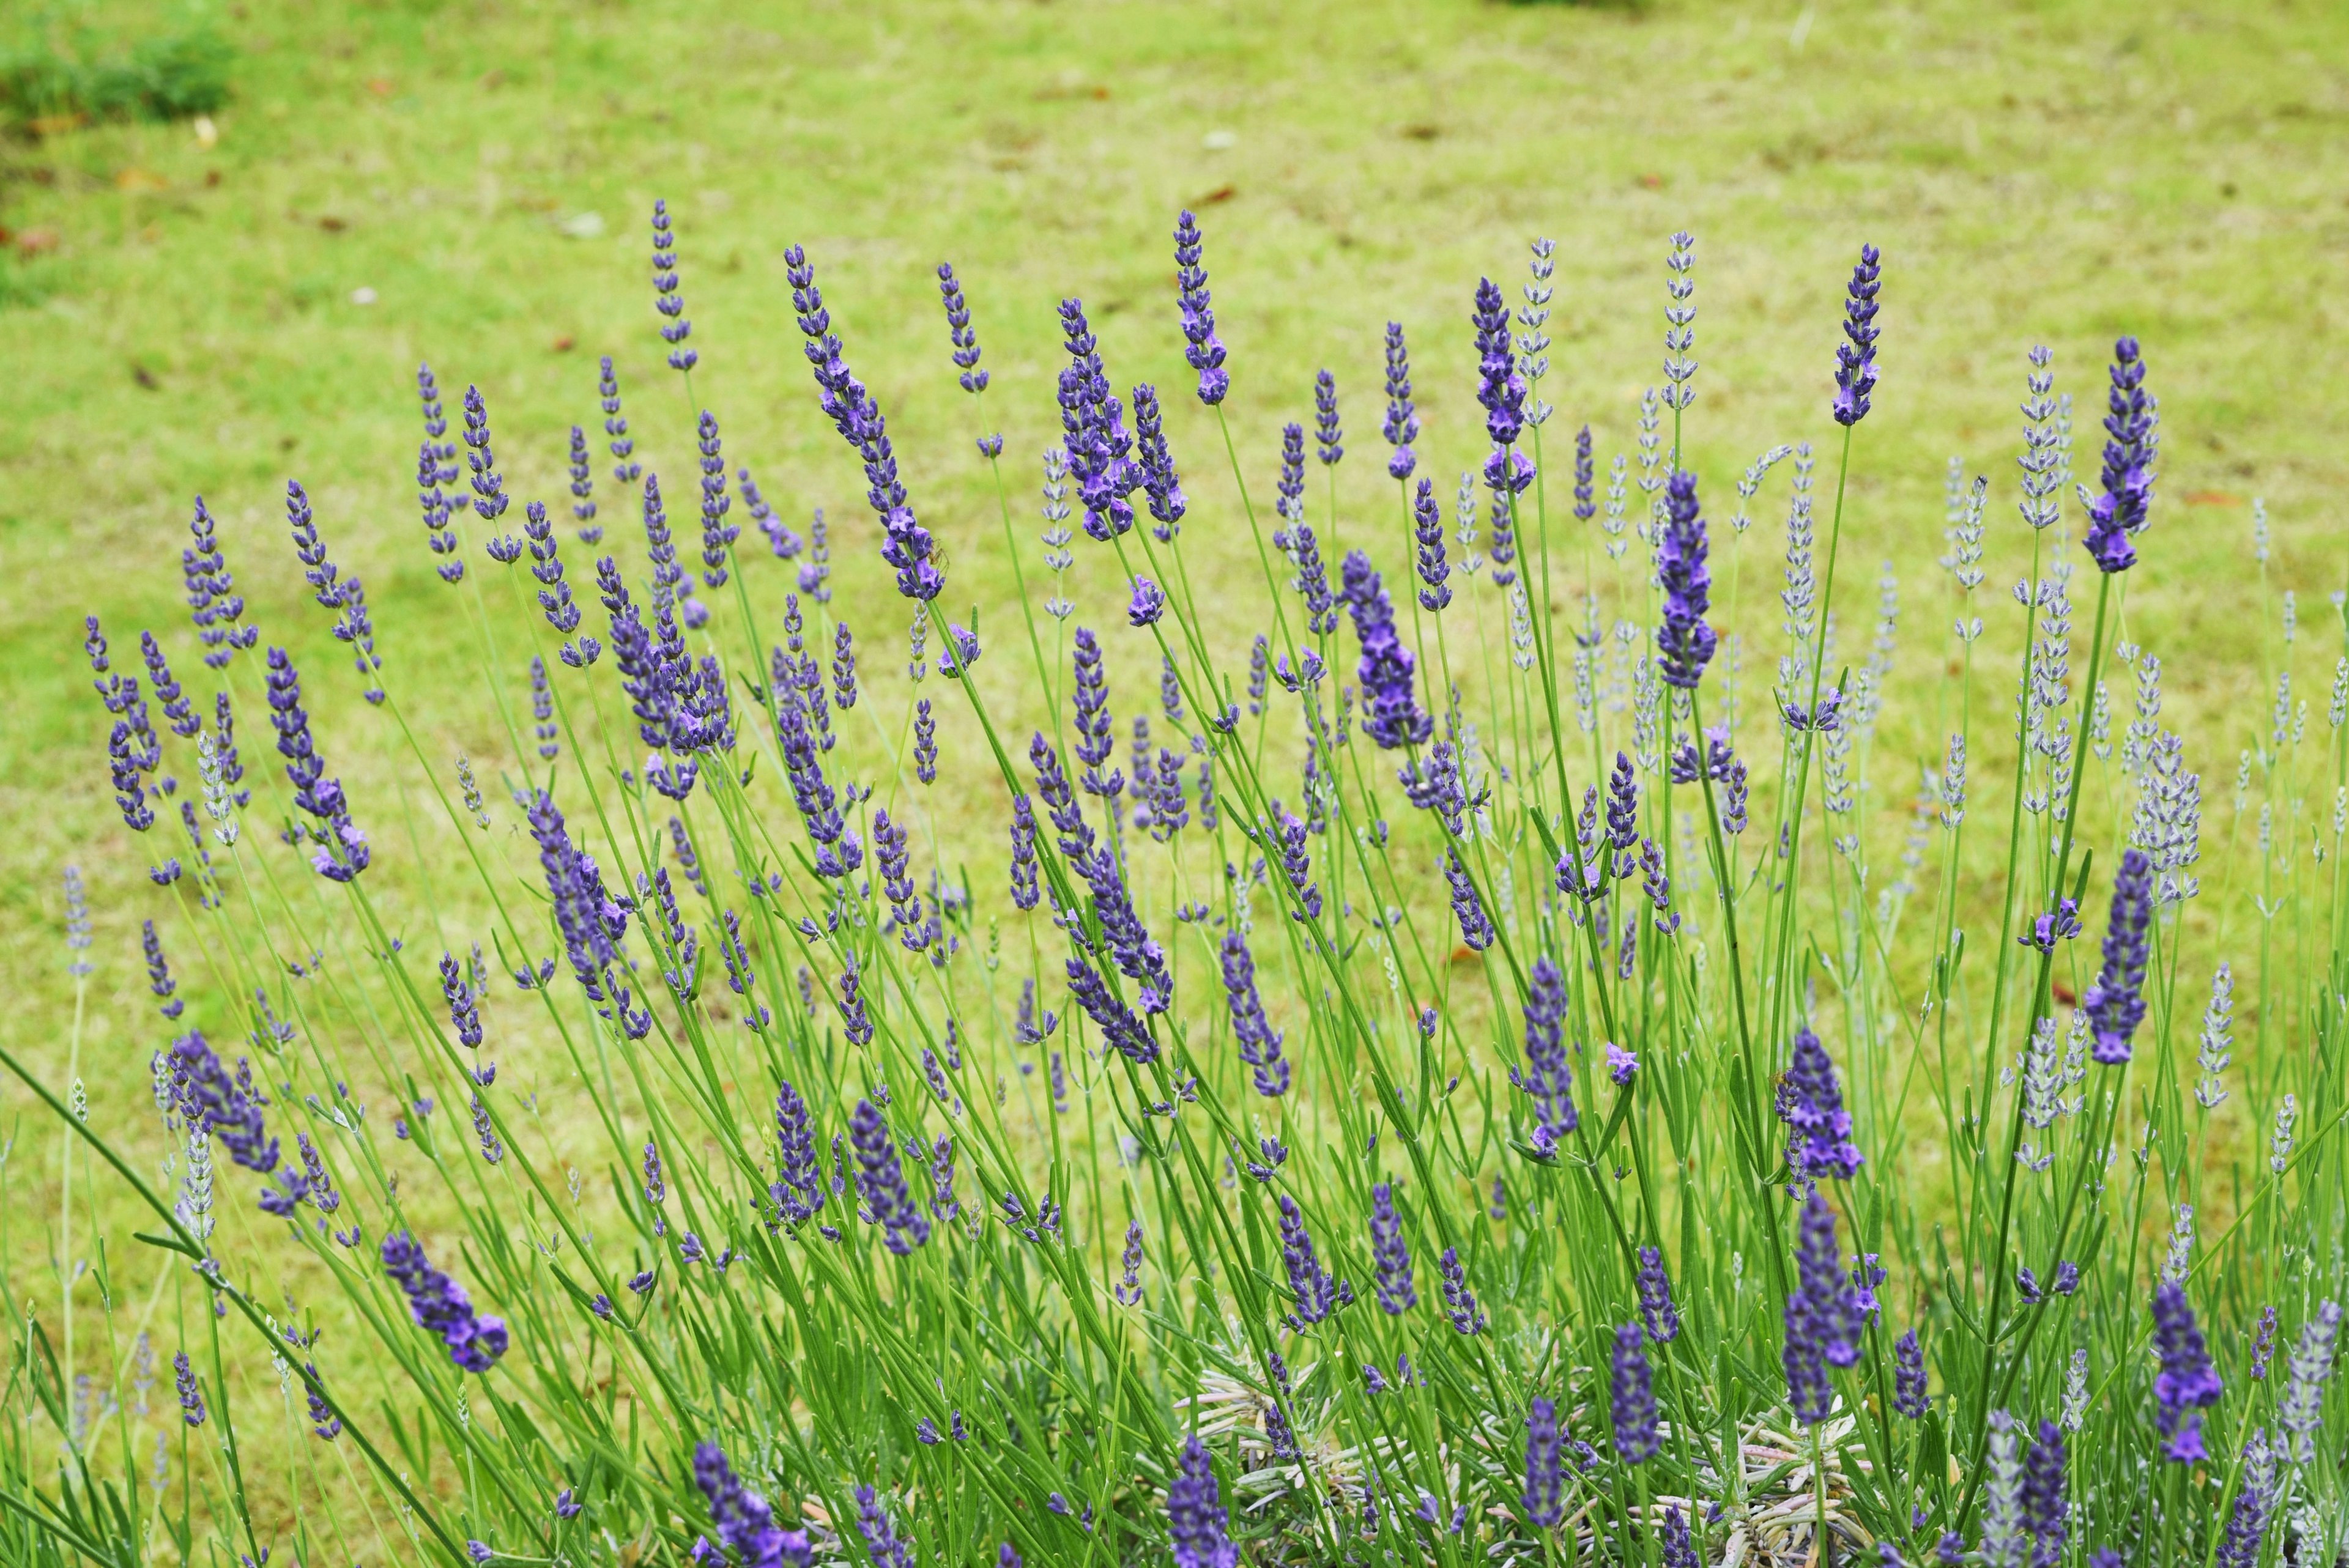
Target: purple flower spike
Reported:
[(858, 418), (1545, 1494), (1316, 1292), (1548, 1076), (1501, 390), (1656, 1309), (1908, 1388), (1810, 1103), (741, 1516), (440, 1303), (2188, 1383), (1149, 603), (1396, 1294), (1391, 714), (1856, 359), (1206, 352), (1427, 530), (675, 329), (1093, 431), (1259, 1042), (1680, 1551), (1684, 643), (1402, 428), (881, 1182), (226, 1107), (213, 604), (2114, 1002), (1822, 1320), (882, 1545), (959, 330), (1195, 1517), (1585, 505), (1327, 436), (2121, 511), (1159, 480), (1632, 1398)]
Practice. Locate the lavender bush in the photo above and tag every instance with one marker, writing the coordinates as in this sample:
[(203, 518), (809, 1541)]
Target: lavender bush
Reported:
[(1447, 1082)]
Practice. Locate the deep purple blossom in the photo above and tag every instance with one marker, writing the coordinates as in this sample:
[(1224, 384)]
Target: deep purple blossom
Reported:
[(1822, 1323), (964, 337), (1856, 357), (1160, 483), (881, 1182), (1314, 1289), (2123, 507), (1631, 1397), (858, 420), (1402, 428), (1545, 1494), (1093, 431), (1501, 392), (1259, 1042), (1206, 350), (1327, 437), (1656, 1308), (1391, 714), (1548, 1076), (1427, 530), (227, 1106), (1196, 1519), (1684, 643), (1810, 1103), (1908, 1395), (2114, 1000), (743, 1521), (675, 329), (2188, 1383), (440, 1303), (1396, 1294), (1459, 1301)]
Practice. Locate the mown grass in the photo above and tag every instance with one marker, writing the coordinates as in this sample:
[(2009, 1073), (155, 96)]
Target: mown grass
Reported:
[(182, 317)]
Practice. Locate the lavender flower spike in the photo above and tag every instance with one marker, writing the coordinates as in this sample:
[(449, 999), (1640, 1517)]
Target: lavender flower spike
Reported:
[(1810, 1103), (1315, 1289), (1327, 437), (1656, 1309), (1684, 643), (1396, 1295), (1206, 352), (1391, 715), (1632, 1398), (675, 329), (1548, 1076), (440, 1303), (1195, 1517), (1545, 1494), (741, 1516), (858, 418), (1822, 1320), (2120, 513), (1402, 427), (958, 328), (1259, 1042), (1502, 391), (1427, 530), (1856, 359), (2187, 1384), (2115, 1001)]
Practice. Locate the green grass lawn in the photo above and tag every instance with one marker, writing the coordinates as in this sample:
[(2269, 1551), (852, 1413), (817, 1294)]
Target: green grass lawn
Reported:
[(184, 314)]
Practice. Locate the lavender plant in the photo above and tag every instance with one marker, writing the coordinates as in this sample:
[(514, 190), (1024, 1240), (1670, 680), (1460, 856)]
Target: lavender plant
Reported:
[(1783, 1207)]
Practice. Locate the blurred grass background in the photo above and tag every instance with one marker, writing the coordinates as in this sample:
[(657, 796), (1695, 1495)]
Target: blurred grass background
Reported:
[(211, 295)]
